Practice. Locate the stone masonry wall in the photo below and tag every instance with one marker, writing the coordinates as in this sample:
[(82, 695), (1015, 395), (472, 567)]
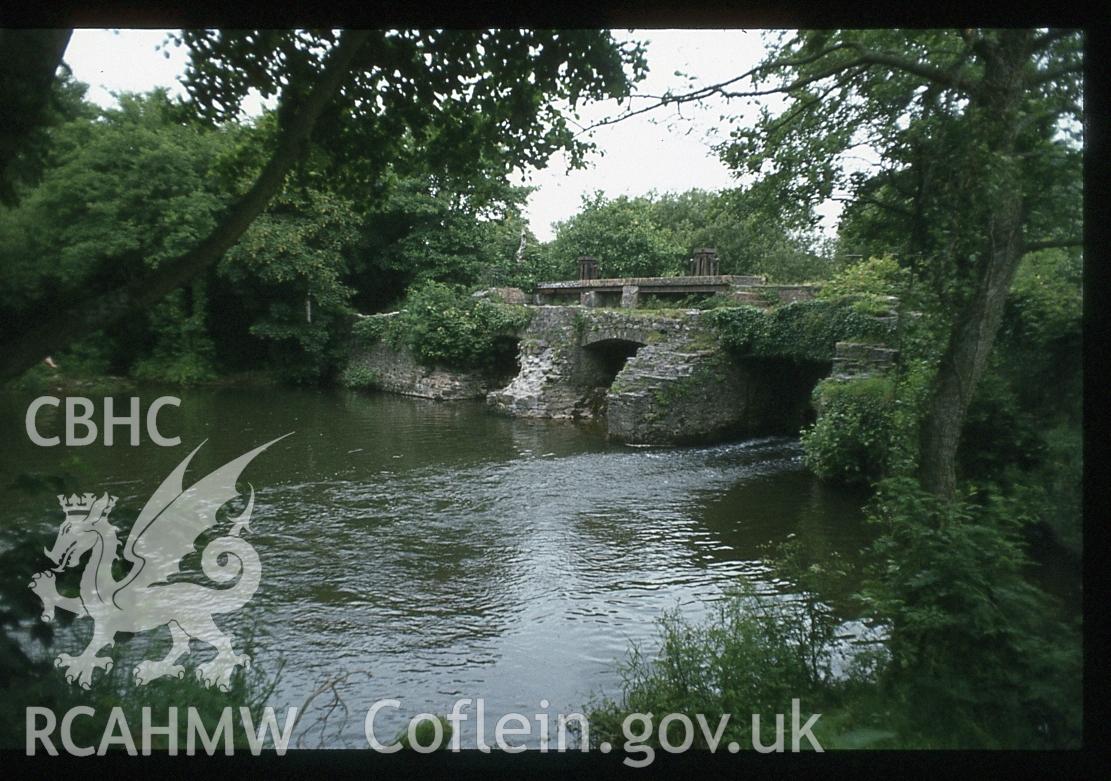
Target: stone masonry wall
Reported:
[(653, 376), (679, 386), (548, 381), (398, 371), (853, 359)]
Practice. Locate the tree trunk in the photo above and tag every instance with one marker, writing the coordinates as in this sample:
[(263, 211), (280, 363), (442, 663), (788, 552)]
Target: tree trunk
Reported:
[(977, 323), (963, 362), (80, 313), (28, 61)]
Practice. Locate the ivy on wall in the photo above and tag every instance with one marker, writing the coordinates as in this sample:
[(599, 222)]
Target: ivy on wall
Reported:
[(802, 330)]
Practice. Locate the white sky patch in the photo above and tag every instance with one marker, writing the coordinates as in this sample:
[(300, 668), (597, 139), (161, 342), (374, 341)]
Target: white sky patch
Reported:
[(667, 150), (123, 61), (112, 61)]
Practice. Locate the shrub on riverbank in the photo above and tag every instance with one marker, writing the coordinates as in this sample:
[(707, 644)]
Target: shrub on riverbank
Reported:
[(852, 437), (443, 325), (973, 655), (753, 657), (357, 375), (979, 656)]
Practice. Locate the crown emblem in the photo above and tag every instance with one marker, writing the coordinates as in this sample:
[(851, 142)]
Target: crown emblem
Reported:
[(80, 505)]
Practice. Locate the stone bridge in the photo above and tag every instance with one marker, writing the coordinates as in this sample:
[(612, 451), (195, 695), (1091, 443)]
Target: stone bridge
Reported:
[(649, 376), (653, 377), (639, 331)]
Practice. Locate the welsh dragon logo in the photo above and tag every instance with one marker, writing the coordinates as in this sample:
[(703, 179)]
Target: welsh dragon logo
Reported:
[(165, 531)]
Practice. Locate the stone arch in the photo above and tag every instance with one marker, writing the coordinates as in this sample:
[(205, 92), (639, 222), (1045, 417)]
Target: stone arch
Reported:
[(593, 337), (603, 358)]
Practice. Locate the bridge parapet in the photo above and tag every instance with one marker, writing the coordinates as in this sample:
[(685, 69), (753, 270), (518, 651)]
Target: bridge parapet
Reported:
[(630, 292)]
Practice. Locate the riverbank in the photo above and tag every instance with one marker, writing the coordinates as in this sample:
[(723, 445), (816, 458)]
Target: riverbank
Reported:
[(46, 379)]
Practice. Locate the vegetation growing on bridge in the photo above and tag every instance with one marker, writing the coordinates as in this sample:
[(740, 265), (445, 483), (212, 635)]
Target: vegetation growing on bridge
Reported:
[(800, 331), (443, 325), (856, 304)]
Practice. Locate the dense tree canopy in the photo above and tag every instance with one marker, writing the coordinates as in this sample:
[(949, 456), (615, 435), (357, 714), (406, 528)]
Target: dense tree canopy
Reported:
[(655, 235), (125, 191), (373, 99)]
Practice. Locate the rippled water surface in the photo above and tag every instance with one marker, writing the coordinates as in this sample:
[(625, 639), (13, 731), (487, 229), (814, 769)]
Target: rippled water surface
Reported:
[(453, 553)]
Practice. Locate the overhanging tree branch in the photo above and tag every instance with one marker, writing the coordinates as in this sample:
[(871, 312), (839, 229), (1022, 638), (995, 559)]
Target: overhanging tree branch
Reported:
[(1034, 246), (717, 89), (928, 72), (28, 61), (69, 317), (865, 58), (805, 105)]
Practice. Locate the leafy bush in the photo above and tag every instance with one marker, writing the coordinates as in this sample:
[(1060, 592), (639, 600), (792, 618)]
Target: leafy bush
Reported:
[(425, 734), (979, 657), (370, 330), (801, 330), (997, 433), (1041, 334), (851, 440), (1045, 300), (358, 376), (302, 352), (183, 350), (443, 325), (1061, 475), (753, 656), (868, 284)]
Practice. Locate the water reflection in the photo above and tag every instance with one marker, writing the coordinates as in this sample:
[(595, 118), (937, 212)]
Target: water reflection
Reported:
[(451, 552)]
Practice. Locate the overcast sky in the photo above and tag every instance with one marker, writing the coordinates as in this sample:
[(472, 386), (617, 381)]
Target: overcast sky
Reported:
[(662, 150)]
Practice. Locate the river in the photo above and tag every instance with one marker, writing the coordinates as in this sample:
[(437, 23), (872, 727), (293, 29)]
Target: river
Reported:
[(450, 552)]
